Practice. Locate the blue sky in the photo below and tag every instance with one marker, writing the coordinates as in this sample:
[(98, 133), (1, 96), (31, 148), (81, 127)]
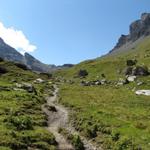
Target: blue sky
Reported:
[(69, 31)]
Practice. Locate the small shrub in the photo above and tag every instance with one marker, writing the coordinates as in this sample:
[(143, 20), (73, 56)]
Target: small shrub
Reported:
[(115, 136), (124, 143), (82, 73), (77, 143), (1, 59), (20, 122), (140, 125), (131, 62), (106, 130), (91, 132), (47, 75), (41, 145), (4, 148), (3, 70)]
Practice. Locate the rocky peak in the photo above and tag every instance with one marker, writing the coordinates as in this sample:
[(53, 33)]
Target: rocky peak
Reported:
[(145, 16), (139, 28), (1, 40), (9, 53)]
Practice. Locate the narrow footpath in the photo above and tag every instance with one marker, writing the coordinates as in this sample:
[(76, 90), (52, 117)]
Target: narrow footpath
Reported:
[(59, 119)]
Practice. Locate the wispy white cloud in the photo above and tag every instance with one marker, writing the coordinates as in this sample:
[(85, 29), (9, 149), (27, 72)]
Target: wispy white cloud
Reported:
[(16, 39)]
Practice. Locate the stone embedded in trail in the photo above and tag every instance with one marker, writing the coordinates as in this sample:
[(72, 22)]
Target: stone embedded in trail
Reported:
[(143, 92), (51, 108)]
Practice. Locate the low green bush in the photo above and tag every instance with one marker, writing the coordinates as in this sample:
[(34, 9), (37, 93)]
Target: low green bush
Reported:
[(20, 122)]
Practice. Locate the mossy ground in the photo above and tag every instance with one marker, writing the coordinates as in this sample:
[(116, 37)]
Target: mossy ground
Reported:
[(113, 116), (22, 121)]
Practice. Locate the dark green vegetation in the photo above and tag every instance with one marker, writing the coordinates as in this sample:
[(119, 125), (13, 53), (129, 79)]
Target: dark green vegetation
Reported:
[(112, 115), (22, 121)]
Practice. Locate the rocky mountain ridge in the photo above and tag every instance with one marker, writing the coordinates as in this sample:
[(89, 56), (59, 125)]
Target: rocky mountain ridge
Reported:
[(10, 54), (137, 30)]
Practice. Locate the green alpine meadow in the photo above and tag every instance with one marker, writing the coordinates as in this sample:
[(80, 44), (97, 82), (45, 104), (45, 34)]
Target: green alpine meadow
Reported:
[(74, 75)]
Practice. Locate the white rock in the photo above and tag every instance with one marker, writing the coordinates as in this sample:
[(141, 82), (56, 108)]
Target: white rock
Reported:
[(39, 80), (143, 92), (131, 78)]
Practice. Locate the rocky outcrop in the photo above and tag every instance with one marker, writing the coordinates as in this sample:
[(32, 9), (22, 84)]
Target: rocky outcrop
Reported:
[(138, 29), (137, 71)]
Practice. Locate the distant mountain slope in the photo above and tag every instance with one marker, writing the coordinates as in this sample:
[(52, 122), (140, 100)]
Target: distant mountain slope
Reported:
[(35, 64), (10, 54)]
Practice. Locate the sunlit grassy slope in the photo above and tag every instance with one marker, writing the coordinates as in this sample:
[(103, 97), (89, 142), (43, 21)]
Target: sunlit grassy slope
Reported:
[(22, 121), (112, 64), (113, 116)]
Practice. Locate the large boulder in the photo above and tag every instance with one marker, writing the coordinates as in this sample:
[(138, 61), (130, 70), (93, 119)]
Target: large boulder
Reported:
[(131, 62), (137, 71), (143, 92), (82, 73), (26, 86), (140, 71), (29, 87)]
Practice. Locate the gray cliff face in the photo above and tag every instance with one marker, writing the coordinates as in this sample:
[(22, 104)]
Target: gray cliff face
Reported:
[(9, 53), (138, 29)]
